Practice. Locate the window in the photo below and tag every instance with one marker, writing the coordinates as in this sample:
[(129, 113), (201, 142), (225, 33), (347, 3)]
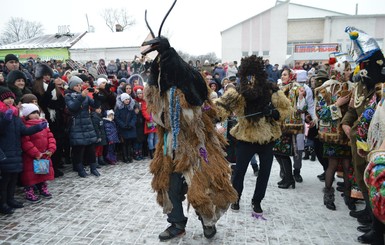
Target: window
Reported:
[(255, 53), (245, 53), (266, 53)]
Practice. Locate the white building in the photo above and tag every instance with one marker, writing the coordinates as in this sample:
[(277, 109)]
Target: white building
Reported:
[(275, 33), (109, 46)]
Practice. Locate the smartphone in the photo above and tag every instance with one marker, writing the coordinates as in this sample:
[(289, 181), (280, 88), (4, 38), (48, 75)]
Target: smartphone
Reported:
[(91, 89)]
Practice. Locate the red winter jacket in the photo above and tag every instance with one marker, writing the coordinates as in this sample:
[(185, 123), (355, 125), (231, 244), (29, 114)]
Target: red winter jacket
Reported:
[(33, 146)]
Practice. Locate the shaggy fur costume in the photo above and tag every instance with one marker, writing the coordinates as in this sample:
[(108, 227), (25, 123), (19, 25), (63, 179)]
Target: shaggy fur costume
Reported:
[(209, 188), (248, 102)]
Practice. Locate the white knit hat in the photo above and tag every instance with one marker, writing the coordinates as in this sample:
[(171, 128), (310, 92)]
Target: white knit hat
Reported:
[(139, 91), (125, 96), (109, 112), (100, 81), (27, 109)]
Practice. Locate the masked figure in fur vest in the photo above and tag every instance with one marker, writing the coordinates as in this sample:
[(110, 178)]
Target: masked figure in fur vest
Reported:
[(369, 76), (260, 108), (189, 156)]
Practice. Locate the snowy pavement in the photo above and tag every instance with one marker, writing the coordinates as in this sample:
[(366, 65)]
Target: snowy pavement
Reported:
[(119, 207)]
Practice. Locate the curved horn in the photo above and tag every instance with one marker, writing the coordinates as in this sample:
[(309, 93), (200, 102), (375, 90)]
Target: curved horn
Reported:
[(164, 19), (145, 18)]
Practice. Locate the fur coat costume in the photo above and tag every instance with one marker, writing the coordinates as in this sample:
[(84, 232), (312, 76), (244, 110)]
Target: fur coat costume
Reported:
[(252, 102)]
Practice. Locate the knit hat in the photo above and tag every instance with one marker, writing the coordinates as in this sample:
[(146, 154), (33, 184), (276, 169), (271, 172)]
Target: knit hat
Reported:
[(322, 73), (15, 75), (28, 98), (27, 109), (125, 96), (10, 57), (100, 81), (139, 91), (75, 80), (109, 112), (301, 75), (5, 93)]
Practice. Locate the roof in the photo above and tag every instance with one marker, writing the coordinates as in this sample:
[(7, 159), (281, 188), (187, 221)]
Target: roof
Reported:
[(96, 40), (46, 41), (327, 12)]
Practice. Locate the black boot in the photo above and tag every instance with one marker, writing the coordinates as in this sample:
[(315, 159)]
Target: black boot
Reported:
[(130, 155), (288, 179), (297, 176), (101, 161), (235, 206), (174, 230), (367, 238), (81, 171), (329, 198), (15, 204), (151, 152), (312, 154), (5, 209), (93, 170)]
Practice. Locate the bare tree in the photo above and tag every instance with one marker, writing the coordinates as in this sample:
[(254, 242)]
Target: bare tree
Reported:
[(113, 17), (17, 29)]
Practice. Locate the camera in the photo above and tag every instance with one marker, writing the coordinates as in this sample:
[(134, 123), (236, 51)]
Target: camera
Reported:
[(91, 89)]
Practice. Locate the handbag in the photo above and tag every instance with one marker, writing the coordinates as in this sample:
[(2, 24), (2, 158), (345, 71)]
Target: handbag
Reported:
[(41, 166)]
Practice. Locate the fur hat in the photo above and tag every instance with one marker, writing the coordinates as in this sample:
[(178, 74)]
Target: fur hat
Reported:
[(75, 80), (15, 75), (125, 96), (27, 109), (28, 98), (84, 77), (101, 80), (43, 69), (10, 57), (322, 74), (301, 75), (109, 112), (5, 93)]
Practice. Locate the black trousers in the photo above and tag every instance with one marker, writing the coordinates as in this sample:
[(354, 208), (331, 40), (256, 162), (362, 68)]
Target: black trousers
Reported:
[(245, 151), (83, 154), (7, 186)]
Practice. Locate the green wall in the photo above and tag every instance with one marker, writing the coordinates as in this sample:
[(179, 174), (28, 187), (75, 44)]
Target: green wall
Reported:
[(44, 54)]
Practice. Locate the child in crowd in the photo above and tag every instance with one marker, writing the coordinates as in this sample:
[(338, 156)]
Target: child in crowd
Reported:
[(112, 136), (37, 146), (11, 130), (97, 121), (140, 136), (126, 120)]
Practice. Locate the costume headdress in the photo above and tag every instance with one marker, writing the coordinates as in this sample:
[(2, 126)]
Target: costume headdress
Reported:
[(363, 46)]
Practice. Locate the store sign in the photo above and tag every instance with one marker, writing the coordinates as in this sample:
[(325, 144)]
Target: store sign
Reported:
[(317, 47), (27, 56)]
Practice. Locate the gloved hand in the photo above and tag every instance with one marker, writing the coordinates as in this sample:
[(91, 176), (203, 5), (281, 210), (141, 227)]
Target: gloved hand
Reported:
[(43, 125), (8, 115), (270, 111)]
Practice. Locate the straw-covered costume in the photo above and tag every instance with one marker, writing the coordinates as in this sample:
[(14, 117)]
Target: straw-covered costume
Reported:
[(189, 149)]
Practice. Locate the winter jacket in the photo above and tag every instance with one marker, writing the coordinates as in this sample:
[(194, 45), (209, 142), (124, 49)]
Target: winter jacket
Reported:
[(111, 131), (112, 69), (125, 119), (147, 118), (10, 140), (97, 121), (81, 129), (33, 146)]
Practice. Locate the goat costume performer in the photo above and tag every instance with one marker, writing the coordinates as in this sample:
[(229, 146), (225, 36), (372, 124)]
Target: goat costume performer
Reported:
[(189, 150), (261, 108), (369, 75)]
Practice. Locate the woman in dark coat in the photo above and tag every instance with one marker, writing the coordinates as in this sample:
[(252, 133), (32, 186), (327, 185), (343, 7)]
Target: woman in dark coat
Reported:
[(81, 130), (11, 130), (125, 119), (16, 81)]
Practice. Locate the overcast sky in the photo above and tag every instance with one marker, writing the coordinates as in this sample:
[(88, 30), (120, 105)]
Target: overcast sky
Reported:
[(193, 26)]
